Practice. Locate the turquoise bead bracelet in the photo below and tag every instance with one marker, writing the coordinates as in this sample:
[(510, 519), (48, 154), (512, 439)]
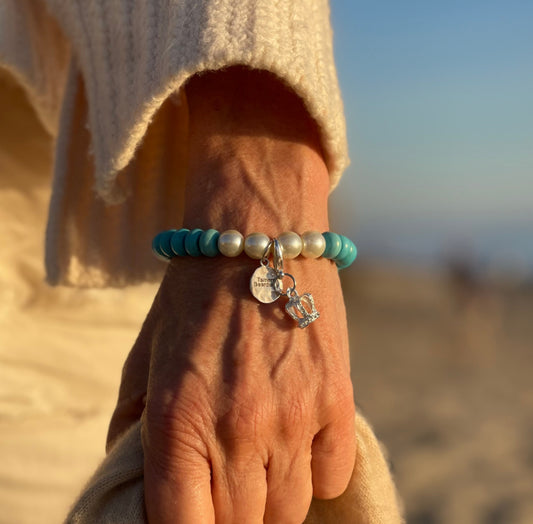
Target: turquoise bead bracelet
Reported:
[(211, 243)]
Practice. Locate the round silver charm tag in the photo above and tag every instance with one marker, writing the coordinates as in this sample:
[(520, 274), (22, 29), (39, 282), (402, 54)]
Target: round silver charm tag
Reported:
[(262, 284)]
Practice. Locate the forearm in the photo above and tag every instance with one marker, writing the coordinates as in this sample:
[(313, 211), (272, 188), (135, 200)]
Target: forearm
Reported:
[(255, 161), (247, 416), (255, 165)]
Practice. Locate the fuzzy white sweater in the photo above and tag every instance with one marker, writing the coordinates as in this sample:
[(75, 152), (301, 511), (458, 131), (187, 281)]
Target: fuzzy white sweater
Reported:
[(100, 73), (104, 78)]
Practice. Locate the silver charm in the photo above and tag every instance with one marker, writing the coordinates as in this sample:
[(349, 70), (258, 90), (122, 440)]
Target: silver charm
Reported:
[(266, 286), (302, 308), (263, 284)]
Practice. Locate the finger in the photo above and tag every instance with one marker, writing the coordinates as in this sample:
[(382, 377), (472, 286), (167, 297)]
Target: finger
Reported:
[(333, 458), (290, 489), (178, 491), (239, 491)]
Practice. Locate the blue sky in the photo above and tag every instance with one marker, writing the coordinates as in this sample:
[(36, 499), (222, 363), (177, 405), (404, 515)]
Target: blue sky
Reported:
[(439, 106)]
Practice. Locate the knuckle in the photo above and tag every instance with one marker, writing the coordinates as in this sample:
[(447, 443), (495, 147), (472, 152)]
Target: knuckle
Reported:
[(297, 415), (173, 463), (170, 415), (242, 422), (341, 396), (173, 433)]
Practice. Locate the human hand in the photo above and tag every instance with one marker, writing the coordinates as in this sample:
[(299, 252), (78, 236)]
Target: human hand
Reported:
[(246, 415)]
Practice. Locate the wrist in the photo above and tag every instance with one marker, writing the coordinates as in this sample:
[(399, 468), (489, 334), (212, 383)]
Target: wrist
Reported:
[(209, 288), (233, 194), (255, 160)]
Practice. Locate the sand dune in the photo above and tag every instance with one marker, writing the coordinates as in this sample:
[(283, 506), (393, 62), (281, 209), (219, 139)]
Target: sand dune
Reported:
[(444, 374)]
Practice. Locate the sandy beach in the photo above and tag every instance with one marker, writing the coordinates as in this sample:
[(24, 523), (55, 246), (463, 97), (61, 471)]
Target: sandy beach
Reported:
[(442, 369), (444, 374)]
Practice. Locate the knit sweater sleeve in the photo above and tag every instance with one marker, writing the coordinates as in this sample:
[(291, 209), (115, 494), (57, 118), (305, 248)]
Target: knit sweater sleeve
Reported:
[(119, 131), (134, 54), (35, 52)]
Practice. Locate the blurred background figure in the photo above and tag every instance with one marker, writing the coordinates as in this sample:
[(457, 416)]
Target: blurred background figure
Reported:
[(475, 306)]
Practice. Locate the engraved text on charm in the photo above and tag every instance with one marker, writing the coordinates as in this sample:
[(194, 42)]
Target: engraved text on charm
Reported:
[(262, 284)]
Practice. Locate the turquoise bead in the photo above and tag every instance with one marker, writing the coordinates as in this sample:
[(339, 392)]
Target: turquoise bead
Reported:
[(347, 253), (177, 242), (155, 244), (345, 248), (192, 241), (209, 243), (348, 258), (164, 243), (155, 247), (333, 245)]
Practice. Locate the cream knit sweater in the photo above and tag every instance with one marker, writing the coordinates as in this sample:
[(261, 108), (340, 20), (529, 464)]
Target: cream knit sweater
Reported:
[(104, 78), (99, 74)]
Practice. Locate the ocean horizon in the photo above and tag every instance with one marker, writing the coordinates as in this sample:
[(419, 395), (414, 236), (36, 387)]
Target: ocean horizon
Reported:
[(494, 248)]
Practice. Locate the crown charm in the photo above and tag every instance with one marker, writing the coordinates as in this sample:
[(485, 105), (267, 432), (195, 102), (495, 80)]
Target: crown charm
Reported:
[(302, 308), (266, 285)]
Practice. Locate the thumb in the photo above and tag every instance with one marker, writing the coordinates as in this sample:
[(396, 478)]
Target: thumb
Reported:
[(134, 381)]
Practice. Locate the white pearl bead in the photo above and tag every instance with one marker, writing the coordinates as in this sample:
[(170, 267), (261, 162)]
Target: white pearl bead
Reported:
[(230, 243), (313, 244), (255, 245), (291, 244)]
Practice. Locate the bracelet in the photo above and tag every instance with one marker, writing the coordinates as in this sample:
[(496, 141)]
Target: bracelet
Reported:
[(197, 242), (266, 283)]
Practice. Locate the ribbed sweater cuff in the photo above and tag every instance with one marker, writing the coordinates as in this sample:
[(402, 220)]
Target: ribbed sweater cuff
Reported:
[(134, 54)]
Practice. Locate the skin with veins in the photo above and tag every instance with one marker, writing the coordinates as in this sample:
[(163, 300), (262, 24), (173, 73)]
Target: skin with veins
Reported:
[(247, 416)]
